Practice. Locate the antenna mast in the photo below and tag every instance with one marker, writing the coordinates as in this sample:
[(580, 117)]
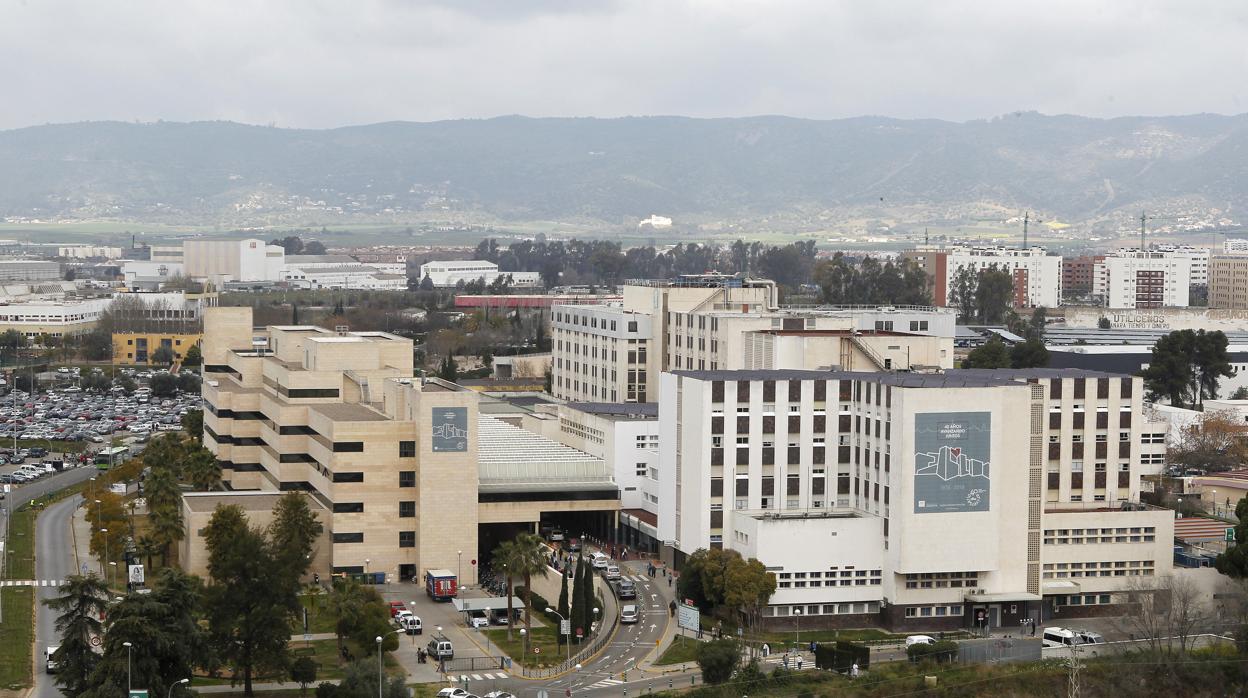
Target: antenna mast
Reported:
[(1143, 224), (1026, 220)]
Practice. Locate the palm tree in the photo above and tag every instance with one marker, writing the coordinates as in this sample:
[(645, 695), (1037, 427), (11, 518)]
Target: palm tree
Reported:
[(504, 561), (530, 560), (346, 603), (82, 601)]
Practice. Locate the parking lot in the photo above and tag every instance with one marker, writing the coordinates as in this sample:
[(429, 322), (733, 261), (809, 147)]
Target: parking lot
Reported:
[(34, 428)]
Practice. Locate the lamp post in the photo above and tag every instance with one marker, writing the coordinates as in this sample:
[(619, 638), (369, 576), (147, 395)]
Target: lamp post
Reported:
[(524, 639), (175, 683), (459, 574), (488, 616), (379, 681), (105, 540), (561, 622), (112, 572), (129, 651), (797, 612)]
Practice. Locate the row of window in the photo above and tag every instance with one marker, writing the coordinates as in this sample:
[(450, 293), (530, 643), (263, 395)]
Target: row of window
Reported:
[(407, 509), (407, 539), (824, 609), (933, 611)]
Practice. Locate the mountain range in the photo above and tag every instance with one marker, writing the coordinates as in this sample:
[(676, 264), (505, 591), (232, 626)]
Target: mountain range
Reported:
[(617, 170)]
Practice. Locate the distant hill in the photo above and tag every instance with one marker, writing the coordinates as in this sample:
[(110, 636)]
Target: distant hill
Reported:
[(616, 170)]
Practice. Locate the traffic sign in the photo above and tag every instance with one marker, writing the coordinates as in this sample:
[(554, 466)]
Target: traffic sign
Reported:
[(565, 627), (138, 693), (1230, 535), (580, 632), (537, 650), (473, 561), (95, 641)]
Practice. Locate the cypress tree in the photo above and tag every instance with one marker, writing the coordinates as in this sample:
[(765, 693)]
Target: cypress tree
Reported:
[(587, 612), (576, 612), (564, 607)]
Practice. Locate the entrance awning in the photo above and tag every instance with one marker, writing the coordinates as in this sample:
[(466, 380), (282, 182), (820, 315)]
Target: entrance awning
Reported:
[(1063, 586), (1002, 597)]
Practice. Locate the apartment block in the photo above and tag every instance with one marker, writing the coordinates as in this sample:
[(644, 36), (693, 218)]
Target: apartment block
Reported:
[(1228, 281), (1037, 275), (411, 474), (943, 500), (1143, 280)]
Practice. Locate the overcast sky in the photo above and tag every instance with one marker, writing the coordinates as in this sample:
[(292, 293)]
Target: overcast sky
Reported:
[(321, 63)]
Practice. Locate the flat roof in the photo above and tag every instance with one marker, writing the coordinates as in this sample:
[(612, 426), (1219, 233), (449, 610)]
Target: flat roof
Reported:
[(839, 333), (249, 501), (618, 410), (349, 412), (952, 378), (338, 339)]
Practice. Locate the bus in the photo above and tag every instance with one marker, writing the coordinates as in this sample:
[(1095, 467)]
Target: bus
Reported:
[(108, 457)]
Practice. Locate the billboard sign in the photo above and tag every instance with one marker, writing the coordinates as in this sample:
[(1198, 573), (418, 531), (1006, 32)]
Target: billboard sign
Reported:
[(450, 429), (688, 618), (952, 472), (136, 575)]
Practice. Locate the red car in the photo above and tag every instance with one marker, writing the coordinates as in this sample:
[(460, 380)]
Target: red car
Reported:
[(395, 607)]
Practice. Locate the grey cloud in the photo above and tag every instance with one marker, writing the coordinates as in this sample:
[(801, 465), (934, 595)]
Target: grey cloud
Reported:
[(324, 64)]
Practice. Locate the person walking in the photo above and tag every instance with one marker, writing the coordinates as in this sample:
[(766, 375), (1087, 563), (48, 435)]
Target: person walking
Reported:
[(853, 671), (766, 650)]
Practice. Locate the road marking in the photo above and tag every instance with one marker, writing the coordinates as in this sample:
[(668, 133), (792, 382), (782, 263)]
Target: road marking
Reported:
[(476, 677), (31, 583)]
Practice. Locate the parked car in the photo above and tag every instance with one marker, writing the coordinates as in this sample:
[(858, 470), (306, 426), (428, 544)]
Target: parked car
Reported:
[(919, 640)]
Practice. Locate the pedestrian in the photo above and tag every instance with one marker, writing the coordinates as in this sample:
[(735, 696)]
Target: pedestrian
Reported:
[(813, 646), (766, 650), (669, 582), (853, 671), (799, 662)]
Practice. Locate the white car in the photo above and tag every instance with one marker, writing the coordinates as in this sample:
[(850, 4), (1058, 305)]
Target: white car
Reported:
[(454, 693), (478, 619), (919, 640)]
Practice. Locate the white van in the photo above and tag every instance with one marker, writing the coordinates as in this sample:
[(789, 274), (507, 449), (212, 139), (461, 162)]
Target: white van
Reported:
[(410, 623), (441, 648), (1059, 637), (49, 666)]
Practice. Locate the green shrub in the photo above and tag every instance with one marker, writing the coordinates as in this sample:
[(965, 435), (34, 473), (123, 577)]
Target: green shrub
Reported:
[(941, 652)]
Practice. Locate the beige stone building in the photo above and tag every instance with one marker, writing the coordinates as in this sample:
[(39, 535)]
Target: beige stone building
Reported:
[(412, 476), (1228, 281)]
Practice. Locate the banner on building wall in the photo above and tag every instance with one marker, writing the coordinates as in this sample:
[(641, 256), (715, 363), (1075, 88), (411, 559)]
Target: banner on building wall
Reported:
[(450, 429), (951, 462)]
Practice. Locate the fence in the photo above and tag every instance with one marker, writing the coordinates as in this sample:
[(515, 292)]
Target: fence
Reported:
[(602, 639), (450, 666)]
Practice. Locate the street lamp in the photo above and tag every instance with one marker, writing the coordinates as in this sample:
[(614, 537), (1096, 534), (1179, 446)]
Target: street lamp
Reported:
[(175, 683), (798, 613), (129, 647), (488, 615), (105, 540), (379, 681), (1215, 502), (524, 639), (112, 573), (459, 577), (561, 622)]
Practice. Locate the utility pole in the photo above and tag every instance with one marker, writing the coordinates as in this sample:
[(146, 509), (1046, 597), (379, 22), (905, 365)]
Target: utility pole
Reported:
[(1143, 228), (1026, 220)]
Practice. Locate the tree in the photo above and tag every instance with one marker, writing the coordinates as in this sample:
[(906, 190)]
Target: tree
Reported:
[(314, 247), (993, 293), (1212, 362), (193, 424), (96, 345), (962, 293), (193, 357), (504, 557), (1186, 367), (747, 588), (303, 672), (126, 383), (587, 599), (449, 371), (564, 608), (163, 356), (1103, 324), (718, 659), (249, 607), (201, 469), (95, 383), (1241, 393), (1037, 324), (359, 680), (164, 501), (12, 339), (529, 560), (294, 532), (163, 384), (1234, 562), (108, 537), (81, 601), (1167, 611), (292, 244), (1215, 442), (992, 354), (1029, 354), (188, 382)]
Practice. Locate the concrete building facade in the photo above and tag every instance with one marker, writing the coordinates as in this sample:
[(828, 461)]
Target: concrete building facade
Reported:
[(1228, 281), (412, 475), (1037, 275), (909, 500), (1143, 280), (224, 261)]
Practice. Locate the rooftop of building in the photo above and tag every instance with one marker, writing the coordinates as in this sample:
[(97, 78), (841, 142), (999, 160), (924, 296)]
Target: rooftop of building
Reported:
[(297, 259), (355, 267), (618, 410), (953, 378), (512, 459), (1079, 336), (349, 412), (838, 333), (249, 501)]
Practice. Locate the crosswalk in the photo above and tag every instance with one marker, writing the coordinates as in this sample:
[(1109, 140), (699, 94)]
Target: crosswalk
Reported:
[(497, 675), (605, 683), (790, 661), (31, 583)]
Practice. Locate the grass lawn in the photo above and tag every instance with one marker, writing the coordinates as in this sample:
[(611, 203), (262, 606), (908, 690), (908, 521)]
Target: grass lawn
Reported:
[(16, 636), (320, 620), (21, 546), (682, 649), (323, 652), (53, 446), (849, 635), (543, 637)]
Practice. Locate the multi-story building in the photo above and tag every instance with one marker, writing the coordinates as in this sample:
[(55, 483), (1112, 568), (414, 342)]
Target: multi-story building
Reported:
[(1235, 246), (1037, 275), (223, 261), (1152, 279), (56, 319), (411, 475), (626, 437), (615, 352), (1077, 274), (138, 347), (1228, 281), (915, 500), (452, 272)]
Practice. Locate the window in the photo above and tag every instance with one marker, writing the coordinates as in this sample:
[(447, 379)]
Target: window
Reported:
[(407, 449), (348, 537), (407, 478), (348, 507), (407, 539), (348, 447), (407, 510), (640, 470), (348, 477)]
